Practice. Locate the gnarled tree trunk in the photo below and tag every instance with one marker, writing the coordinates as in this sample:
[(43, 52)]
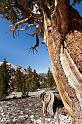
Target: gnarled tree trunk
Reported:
[(69, 84), (65, 68)]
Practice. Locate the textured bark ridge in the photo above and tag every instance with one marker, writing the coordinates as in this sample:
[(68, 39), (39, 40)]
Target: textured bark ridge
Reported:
[(68, 79), (74, 47), (66, 68)]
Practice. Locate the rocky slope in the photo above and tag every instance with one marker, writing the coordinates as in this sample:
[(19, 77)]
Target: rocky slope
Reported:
[(15, 67), (29, 111)]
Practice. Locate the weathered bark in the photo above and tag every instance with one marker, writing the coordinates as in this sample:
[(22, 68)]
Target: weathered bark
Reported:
[(66, 74), (74, 46), (70, 91)]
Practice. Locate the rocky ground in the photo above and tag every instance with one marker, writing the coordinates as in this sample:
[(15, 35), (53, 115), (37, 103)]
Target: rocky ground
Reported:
[(29, 111)]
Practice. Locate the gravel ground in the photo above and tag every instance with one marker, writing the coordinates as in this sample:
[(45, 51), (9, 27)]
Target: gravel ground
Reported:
[(29, 111)]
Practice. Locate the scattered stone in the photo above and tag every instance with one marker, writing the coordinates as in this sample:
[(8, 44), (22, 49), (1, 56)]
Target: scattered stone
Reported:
[(29, 111), (32, 116)]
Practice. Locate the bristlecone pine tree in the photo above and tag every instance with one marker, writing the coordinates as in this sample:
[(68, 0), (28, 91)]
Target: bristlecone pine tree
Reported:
[(4, 80), (61, 26)]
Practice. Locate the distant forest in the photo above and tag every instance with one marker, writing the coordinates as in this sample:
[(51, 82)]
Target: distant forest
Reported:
[(18, 81)]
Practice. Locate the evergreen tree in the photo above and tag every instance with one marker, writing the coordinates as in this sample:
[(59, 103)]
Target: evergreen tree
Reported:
[(30, 80), (36, 83), (24, 87), (27, 83), (50, 79), (44, 80), (18, 80), (12, 80), (2, 87), (4, 80)]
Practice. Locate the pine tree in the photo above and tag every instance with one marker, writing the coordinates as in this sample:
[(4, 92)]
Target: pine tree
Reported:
[(12, 80), (30, 80), (27, 83), (4, 80), (36, 83), (50, 80), (2, 89), (20, 83), (18, 80), (25, 89)]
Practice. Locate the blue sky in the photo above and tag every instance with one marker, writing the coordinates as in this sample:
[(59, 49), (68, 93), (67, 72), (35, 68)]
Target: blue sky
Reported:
[(14, 50)]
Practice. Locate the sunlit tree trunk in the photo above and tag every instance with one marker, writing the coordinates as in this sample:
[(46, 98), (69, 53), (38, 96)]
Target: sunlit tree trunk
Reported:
[(66, 74)]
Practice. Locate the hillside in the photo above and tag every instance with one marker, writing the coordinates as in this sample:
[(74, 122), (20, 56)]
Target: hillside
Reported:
[(24, 70), (13, 66), (29, 111)]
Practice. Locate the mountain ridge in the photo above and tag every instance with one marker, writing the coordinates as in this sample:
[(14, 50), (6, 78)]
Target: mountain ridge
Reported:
[(15, 67), (24, 70)]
